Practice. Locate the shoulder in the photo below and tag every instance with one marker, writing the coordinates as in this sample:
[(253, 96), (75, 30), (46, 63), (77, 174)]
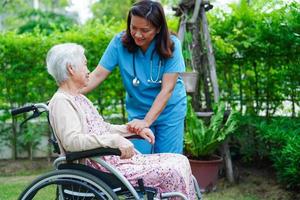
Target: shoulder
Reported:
[(118, 37), (59, 99), (175, 40)]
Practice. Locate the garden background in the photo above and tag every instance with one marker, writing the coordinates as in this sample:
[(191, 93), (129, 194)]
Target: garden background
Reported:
[(257, 51)]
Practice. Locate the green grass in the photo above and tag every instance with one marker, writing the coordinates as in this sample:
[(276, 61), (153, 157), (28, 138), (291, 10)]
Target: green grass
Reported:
[(250, 187), (12, 186)]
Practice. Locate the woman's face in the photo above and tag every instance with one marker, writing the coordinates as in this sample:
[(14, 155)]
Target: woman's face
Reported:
[(82, 74), (142, 31)]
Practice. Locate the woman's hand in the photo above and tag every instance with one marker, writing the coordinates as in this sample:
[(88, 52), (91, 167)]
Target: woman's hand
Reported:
[(148, 135), (137, 125), (126, 152), (126, 148)]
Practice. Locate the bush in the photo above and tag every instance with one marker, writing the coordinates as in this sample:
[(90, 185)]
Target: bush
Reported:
[(22, 58), (277, 140)]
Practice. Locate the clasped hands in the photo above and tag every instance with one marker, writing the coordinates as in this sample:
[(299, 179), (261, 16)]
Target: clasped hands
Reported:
[(140, 128)]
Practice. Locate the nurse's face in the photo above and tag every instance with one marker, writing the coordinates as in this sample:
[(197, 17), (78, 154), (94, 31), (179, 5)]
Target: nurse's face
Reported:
[(142, 31)]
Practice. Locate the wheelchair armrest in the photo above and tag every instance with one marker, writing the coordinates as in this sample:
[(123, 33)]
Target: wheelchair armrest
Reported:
[(102, 151), (134, 137)]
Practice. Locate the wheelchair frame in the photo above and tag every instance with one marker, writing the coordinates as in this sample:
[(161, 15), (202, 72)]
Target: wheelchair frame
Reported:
[(67, 173)]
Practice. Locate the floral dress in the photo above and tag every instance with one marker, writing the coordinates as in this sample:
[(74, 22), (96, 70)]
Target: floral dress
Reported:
[(166, 172)]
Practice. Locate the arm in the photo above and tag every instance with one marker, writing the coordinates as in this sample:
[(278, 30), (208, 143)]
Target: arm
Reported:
[(168, 84), (98, 75), (69, 129), (146, 133)]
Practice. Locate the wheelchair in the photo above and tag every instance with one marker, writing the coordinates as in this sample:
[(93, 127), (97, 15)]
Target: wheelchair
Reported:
[(71, 180)]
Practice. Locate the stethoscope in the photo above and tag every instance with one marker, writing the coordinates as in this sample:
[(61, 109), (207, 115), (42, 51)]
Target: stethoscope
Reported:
[(136, 81)]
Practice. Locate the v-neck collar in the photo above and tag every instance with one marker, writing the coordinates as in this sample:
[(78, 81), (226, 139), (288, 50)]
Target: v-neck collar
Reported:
[(149, 50)]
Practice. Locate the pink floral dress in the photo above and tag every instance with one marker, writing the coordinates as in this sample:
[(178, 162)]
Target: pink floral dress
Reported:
[(167, 172)]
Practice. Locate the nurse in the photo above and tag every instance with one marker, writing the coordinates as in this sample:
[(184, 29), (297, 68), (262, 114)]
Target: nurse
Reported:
[(150, 60)]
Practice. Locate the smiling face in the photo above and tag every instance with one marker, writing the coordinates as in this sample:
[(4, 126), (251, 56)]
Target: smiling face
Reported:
[(142, 31)]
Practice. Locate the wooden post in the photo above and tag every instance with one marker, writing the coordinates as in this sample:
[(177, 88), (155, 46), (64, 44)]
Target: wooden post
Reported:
[(214, 81), (210, 56)]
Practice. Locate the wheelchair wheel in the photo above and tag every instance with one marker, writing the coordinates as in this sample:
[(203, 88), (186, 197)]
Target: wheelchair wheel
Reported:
[(68, 184)]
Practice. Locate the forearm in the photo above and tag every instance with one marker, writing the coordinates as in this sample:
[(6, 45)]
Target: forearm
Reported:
[(161, 100), (96, 77), (158, 106), (81, 142)]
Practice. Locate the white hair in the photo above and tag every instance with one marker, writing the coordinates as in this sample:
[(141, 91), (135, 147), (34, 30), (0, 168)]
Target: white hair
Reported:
[(62, 55)]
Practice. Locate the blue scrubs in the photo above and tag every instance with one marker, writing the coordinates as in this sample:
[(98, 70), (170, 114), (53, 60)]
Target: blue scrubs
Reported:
[(169, 126)]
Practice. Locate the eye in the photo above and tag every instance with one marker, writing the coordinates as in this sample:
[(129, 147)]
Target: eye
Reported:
[(146, 30), (132, 27)]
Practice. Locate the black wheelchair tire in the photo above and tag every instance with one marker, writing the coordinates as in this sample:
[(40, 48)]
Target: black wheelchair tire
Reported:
[(59, 177)]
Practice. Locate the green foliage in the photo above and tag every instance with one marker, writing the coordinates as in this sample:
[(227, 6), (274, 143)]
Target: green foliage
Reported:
[(257, 48), (201, 141), (117, 9), (186, 51), (12, 12), (30, 138), (45, 22), (282, 136), (25, 79), (277, 140)]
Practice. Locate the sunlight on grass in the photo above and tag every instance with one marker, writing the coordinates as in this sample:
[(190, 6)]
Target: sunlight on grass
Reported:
[(11, 187)]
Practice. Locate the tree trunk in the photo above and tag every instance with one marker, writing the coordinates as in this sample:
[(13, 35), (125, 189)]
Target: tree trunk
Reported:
[(14, 139), (123, 108), (49, 151), (241, 89), (256, 89)]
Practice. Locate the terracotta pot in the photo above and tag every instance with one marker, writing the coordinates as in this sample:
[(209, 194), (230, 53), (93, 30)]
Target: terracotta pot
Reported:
[(190, 80), (206, 172)]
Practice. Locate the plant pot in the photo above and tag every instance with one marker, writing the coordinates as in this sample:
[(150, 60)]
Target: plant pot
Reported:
[(206, 172), (190, 80)]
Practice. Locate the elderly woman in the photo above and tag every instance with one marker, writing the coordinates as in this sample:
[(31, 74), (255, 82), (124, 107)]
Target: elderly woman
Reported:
[(79, 126)]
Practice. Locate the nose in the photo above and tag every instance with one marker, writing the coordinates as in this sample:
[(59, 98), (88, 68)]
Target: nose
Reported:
[(138, 34)]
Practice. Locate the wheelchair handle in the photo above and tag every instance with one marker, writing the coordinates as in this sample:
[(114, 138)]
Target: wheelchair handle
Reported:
[(22, 110), (33, 107)]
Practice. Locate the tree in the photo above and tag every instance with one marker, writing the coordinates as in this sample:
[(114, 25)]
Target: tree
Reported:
[(117, 9)]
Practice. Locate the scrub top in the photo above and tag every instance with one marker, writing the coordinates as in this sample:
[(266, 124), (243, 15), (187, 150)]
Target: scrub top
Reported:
[(139, 99)]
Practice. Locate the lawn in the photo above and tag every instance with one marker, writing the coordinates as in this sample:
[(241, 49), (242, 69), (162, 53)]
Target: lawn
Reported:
[(253, 184)]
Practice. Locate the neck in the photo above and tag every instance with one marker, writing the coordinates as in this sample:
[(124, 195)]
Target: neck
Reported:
[(69, 89), (144, 48)]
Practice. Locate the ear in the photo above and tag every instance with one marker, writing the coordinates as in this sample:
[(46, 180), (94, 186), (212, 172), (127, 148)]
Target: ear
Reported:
[(70, 69)]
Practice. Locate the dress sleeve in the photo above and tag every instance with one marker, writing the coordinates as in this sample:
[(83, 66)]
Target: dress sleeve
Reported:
[(67, 125), (109, 59), (175, 64), (120, 129)]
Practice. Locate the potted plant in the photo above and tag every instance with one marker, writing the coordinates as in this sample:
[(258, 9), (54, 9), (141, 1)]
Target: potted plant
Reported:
[(190, 76), (190, 79), (203, 139)]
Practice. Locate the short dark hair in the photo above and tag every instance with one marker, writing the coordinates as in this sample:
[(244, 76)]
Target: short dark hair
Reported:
[(154, 13)]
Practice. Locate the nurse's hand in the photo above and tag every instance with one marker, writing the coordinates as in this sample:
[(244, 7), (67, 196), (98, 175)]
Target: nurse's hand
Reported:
[(148, 135), (137, 125)]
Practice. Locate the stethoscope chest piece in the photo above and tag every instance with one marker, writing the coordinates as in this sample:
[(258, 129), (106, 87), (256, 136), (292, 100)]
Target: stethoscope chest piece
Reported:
[(135, 82)]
